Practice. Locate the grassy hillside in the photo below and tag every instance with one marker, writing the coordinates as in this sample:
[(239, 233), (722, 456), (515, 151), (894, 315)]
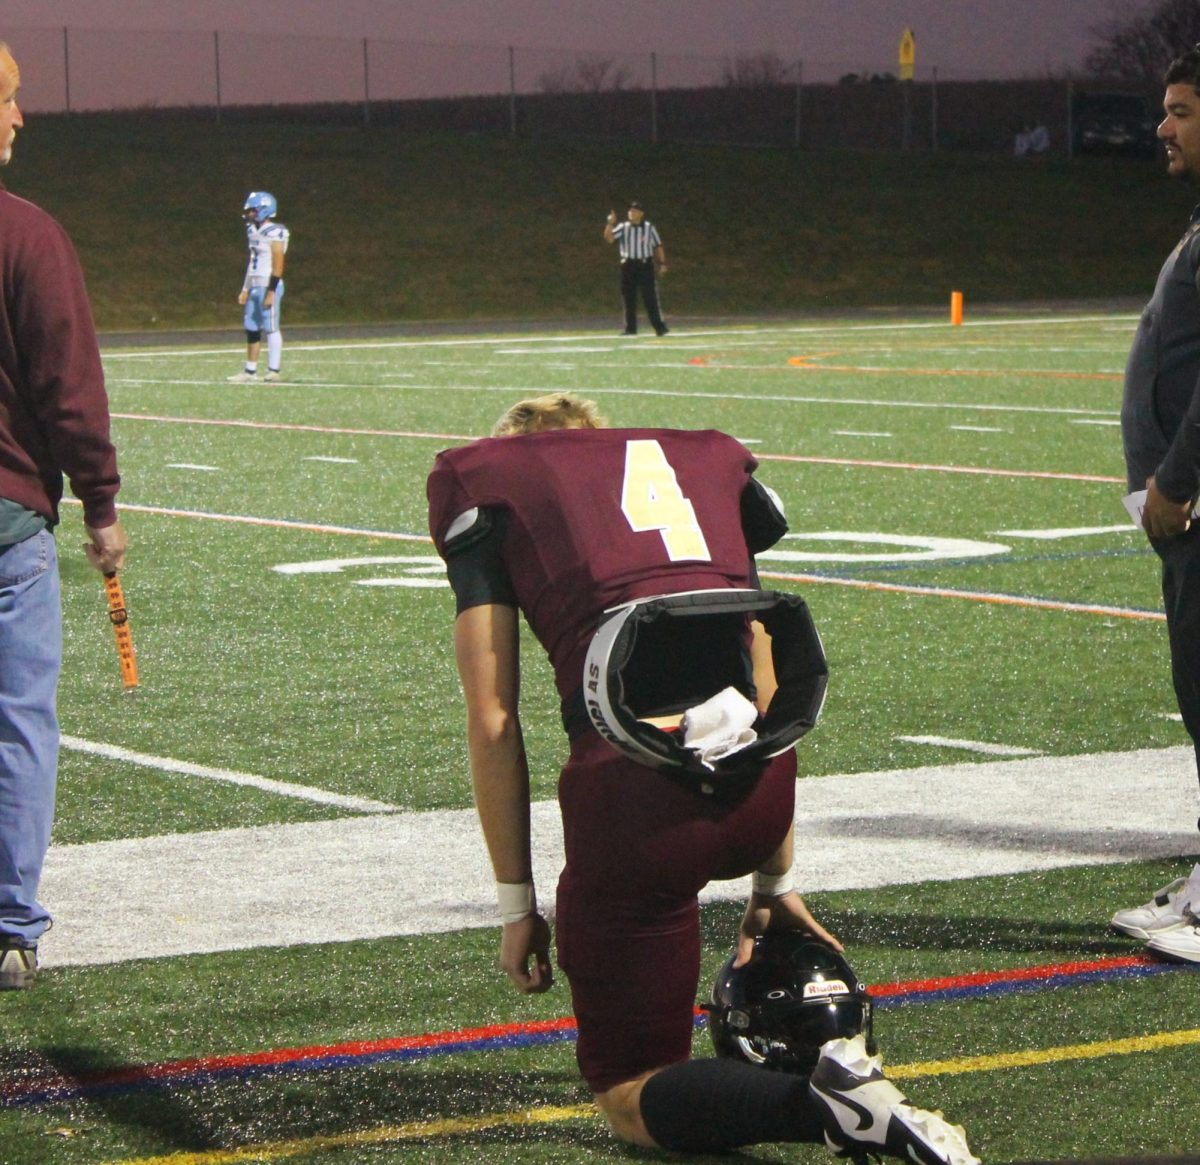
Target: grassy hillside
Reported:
[(392, 226)]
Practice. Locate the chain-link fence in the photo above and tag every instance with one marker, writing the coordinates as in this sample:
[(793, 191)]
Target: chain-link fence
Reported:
[(649, 96)]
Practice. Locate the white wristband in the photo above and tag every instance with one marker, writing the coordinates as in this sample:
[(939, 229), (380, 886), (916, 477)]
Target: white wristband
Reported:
[(773, 885), (517, 900)]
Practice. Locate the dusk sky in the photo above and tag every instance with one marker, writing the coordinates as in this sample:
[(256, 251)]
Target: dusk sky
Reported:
[(962, 39)]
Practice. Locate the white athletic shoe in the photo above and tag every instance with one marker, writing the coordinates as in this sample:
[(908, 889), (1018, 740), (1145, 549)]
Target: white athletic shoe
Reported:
[(1164, 911), (863, 1112), (243, 378), (18, 965), (272, 375), (1178, 942)]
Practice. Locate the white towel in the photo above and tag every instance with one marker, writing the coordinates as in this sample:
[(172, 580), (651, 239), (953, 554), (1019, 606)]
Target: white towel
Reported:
[(720, 726)]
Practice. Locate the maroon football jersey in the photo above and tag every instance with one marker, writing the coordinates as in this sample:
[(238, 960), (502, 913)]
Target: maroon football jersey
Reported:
[(598, 517)]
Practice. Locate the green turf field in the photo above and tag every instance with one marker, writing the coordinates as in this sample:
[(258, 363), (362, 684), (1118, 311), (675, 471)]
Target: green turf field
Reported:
[(955, 501)]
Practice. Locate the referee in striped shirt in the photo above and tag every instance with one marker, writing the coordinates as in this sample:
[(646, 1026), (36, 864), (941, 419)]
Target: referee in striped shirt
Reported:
[(642, 256)]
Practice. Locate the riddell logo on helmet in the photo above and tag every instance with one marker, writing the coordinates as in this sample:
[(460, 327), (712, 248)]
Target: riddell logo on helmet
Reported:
[(823, 988), (600, 723)]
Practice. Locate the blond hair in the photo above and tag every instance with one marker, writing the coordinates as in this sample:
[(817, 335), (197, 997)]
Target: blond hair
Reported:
[(8, 67), (557, 410)]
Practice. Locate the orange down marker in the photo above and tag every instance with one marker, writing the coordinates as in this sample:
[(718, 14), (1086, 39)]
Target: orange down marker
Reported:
[(956, 307), (120, 621)]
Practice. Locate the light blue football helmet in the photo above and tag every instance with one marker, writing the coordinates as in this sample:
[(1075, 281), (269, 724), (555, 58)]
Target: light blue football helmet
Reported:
[(260, 206)]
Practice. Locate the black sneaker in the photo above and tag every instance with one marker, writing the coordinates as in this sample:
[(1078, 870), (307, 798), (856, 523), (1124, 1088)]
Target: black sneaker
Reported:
[(863, 1112), (18, 965)]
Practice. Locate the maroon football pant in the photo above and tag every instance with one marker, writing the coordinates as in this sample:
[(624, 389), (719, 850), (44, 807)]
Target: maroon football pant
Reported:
[(640, 846)]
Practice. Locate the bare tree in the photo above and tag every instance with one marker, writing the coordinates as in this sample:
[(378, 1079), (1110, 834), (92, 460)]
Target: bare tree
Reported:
[(1139, 49), (756, 72), (599, 73), (588, 75)]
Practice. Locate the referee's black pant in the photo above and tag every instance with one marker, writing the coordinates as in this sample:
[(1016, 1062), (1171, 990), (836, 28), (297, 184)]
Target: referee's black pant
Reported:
[(638, 274), (1181, 600)]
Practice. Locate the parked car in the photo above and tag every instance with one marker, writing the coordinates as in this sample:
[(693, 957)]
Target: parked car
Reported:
[(1114, 123)]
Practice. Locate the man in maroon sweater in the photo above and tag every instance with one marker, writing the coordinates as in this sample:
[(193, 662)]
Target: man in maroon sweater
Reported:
[(54, 420)]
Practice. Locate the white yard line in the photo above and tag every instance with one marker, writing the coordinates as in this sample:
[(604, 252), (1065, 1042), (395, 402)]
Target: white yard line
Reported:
[(168, 764), (1053, 535), (994, 598), (275, 523), (979, 746), (417, 873), (593, 337), (617, 390)]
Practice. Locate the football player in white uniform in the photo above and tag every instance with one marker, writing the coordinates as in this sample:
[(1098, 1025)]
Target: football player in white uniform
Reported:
[(262, 288)]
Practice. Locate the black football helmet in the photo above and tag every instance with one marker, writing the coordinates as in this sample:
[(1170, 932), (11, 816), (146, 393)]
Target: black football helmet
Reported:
[(793, 995)]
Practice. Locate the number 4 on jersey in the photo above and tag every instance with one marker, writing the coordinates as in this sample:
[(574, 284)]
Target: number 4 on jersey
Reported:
[(652, 500)]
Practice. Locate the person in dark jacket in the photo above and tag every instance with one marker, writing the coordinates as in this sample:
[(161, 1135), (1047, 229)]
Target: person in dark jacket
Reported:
[(1160, 430)]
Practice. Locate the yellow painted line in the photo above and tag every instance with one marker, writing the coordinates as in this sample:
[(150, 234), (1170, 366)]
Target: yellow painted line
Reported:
[(417, 1130), (456, 1126), (1046, 1055)]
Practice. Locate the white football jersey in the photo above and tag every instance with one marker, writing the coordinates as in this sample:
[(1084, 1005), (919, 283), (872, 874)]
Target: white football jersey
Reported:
[(259, 239)]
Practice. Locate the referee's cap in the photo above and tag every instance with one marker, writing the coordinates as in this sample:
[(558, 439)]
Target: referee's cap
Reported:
[(635, 205)]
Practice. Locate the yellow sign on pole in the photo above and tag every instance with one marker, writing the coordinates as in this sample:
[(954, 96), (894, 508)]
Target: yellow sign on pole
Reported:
[(908, 54)]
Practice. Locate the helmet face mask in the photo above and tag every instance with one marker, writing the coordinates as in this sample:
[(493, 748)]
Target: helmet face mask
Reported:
[(794, 995), (259, 207)]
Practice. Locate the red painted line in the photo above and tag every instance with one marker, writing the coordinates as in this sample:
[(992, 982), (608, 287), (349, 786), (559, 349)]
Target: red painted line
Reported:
[(1013, 975), (856, 463), (173, 1069), (987, 373), (290, 428), (971, 596), (974, 470)]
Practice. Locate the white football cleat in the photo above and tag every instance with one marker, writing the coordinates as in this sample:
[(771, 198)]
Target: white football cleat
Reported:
[(1164, 911), (242, 378), (1178, 942), (863, 1112), (272, 375)]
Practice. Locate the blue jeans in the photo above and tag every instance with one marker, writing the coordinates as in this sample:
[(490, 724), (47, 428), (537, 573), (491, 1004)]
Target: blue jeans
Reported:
[(30, 660)]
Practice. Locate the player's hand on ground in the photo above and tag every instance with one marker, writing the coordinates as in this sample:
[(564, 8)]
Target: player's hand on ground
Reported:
[(786, 912), (525, 954), (1161, 517)]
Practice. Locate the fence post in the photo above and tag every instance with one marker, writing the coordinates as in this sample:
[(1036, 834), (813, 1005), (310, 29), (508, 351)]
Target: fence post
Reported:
[(366, 87), (217, 70), (512, 92), (654, 97), (799, 90), (933, 112), (66, 69), (1070, 117)]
